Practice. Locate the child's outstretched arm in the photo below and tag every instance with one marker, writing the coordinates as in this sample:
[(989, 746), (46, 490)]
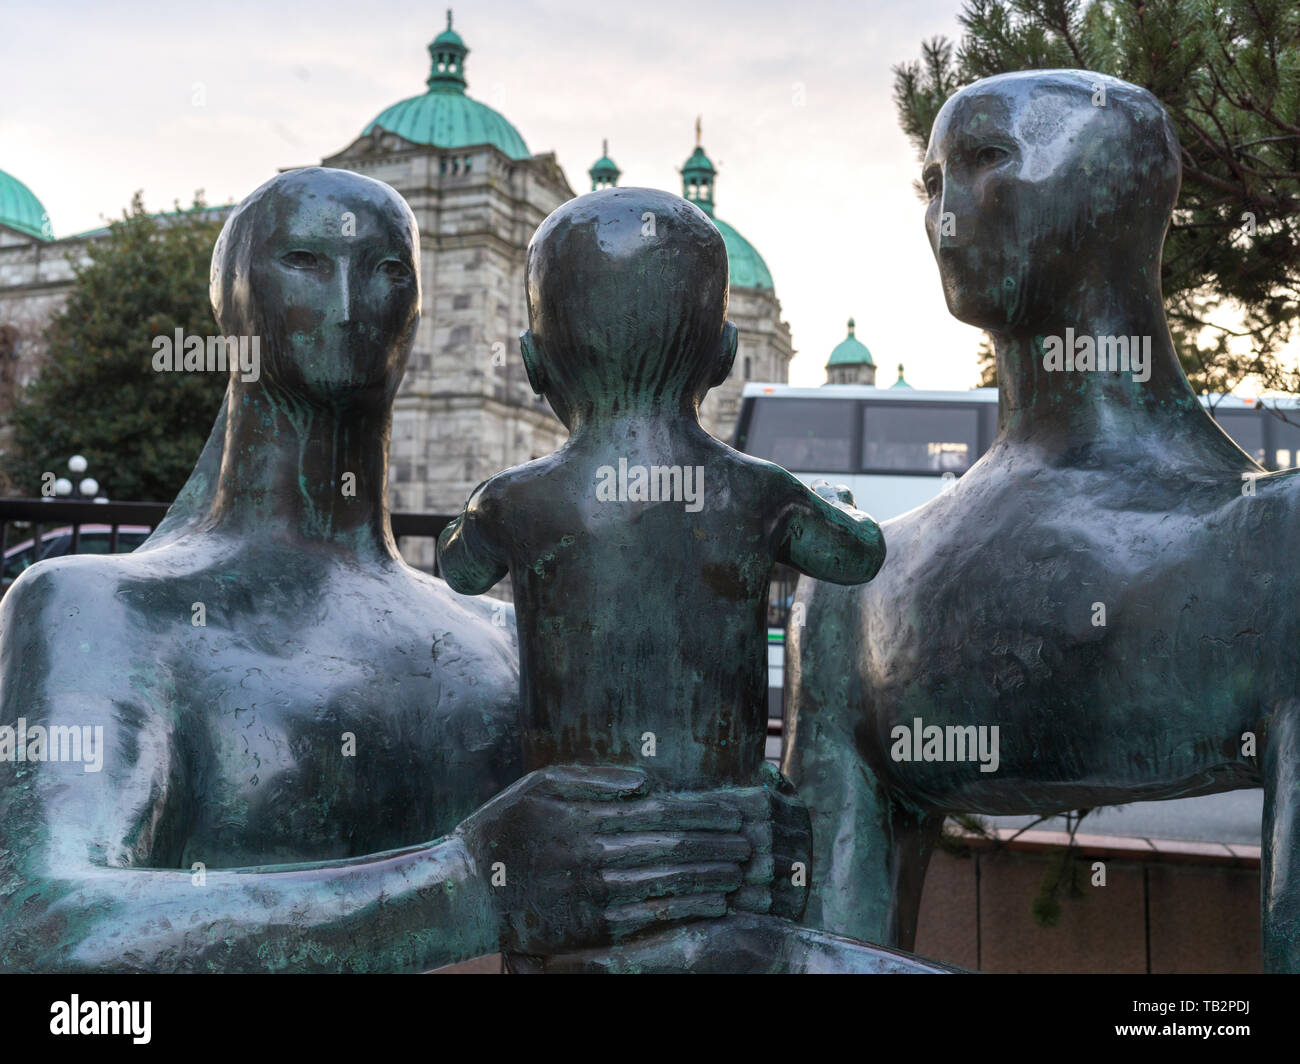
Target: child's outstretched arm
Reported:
[(826, 537), (469, 551)]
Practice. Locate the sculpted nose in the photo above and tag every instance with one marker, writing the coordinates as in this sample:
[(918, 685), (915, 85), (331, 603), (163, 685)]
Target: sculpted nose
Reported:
[(343, 292), (956, 218)]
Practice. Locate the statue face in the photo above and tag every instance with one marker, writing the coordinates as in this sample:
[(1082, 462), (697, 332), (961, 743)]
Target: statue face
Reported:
[(334, 272), (1018, 187)]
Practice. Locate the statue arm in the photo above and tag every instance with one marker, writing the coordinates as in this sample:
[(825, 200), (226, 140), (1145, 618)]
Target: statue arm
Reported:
[(89, 860), (469, 555), (408, 910), (823, 535), (869, 851)]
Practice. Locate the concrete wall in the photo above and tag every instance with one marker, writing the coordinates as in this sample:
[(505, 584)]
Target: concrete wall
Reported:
[(1157, 915)]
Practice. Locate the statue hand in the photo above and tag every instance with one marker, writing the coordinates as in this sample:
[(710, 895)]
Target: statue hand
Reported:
[(580, 857), (778, 826)]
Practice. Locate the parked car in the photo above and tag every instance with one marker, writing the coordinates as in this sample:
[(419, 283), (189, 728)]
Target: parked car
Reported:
[(56, 542)]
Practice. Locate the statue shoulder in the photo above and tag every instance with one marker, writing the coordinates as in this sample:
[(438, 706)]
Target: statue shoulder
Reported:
[(78, 581)]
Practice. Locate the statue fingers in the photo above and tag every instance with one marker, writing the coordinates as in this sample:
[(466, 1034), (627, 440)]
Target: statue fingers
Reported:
[(759, 869), (633, 850), (625, 920), (668, 814), (751, 899), (579, 782), (626, 885), (753, 802)]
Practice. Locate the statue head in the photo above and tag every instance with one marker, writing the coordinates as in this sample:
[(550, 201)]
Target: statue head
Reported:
[(627, 303), (1044, 182), (323, 267)]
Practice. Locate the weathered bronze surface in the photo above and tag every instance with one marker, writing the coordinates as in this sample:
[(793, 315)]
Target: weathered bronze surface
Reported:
[(640, 555), (1110, 586), (286, 712)]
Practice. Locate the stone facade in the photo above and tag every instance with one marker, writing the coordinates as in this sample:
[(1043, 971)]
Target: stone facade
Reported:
[(464, 410), (852, 373), (762, 354), (35, 277)]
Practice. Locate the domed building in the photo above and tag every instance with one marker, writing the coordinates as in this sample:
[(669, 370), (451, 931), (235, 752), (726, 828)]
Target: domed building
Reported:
[(21, 213), (851, 362), (464, 410), (35, 275), (604, 173), (764, 350)]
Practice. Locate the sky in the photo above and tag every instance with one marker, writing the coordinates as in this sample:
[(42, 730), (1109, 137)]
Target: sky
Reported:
[(103, 98)]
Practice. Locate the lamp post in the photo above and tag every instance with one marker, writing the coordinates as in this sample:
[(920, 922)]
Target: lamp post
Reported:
[(87, 487)]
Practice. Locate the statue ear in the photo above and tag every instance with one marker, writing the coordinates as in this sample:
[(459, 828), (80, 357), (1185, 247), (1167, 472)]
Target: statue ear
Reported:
[(532, 363), (726, 353)]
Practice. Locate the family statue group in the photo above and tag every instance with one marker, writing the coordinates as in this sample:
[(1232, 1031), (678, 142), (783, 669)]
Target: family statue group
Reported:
[(352, 766)]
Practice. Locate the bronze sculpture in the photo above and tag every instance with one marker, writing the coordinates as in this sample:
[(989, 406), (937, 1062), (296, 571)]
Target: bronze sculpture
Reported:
[(285, 713), (640, 555), (1108, 586)]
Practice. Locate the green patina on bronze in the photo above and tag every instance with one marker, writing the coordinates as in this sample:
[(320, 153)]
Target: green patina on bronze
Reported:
[(642, 634), (227, 829), (324, 775), (1100, 488)]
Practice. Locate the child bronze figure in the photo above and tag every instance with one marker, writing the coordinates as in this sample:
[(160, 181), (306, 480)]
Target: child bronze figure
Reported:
[(640, 552)]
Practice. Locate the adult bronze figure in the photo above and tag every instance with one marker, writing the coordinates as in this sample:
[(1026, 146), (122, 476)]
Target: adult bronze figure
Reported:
[(265, 743), (1111, 586)]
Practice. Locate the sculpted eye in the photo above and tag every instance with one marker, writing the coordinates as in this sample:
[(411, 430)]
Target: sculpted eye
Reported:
[(990, 155), (299, 260), (933, 183), (394, 270)]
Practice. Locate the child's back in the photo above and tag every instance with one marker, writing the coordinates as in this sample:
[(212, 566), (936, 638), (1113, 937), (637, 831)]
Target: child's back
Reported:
[(641, 551), (640, 568)]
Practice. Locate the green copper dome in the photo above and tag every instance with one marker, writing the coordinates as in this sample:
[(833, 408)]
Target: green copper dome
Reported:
[(900, 383), (699, 176), (850, 352), (444, 117), (448, 38), (748, 270), (604, 173), (21, 210)]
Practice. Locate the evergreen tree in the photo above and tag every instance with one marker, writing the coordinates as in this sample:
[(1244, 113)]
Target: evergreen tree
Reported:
[(98, 394), (1228, 72)]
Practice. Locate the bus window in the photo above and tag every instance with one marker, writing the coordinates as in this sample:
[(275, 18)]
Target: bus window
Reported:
[(803, 435), (916, 438), (1246, 427), (1284, 438), (780, 595)]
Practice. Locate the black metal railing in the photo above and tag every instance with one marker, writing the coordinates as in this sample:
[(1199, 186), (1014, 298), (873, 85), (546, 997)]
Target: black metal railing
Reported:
[(34, 529)]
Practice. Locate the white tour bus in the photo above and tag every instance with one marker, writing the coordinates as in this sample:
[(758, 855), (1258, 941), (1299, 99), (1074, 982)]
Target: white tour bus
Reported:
[(893, 447)]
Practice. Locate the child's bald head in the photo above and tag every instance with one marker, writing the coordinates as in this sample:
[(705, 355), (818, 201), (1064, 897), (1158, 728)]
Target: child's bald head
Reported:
[(627, 302)]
